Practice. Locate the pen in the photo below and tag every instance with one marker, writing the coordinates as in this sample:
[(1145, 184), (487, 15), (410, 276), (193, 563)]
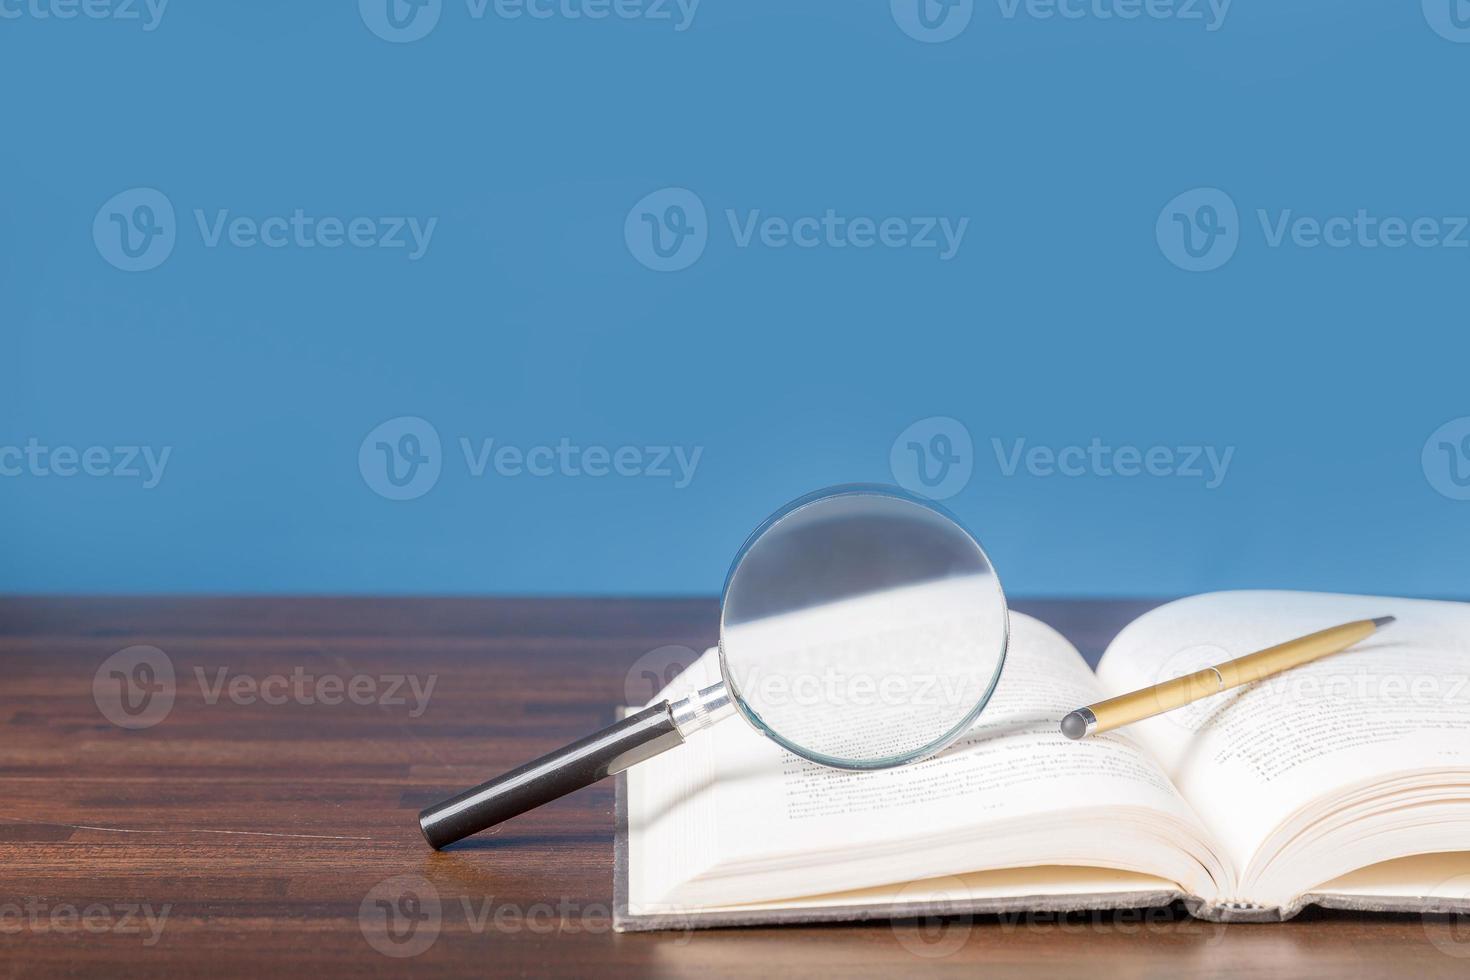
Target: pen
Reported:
[(1137, 705)]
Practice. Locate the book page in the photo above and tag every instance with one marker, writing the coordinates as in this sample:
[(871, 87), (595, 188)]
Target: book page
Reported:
[(1409, 879), (746, 821), (1254, 757), (978, 886)]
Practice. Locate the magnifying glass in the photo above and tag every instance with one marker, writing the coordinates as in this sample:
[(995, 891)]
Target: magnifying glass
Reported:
[(861, 627)]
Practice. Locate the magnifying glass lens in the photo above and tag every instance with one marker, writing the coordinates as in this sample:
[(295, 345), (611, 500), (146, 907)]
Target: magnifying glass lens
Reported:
[(861, 628)]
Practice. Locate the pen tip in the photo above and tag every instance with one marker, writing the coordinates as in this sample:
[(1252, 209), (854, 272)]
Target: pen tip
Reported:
[(1074, 726), (1383, 621)]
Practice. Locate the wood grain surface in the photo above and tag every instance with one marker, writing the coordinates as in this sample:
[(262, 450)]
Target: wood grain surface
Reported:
[(262, 823)]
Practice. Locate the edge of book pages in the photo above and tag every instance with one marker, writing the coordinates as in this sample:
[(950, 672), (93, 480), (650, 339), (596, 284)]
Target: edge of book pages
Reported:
[(626, 919)]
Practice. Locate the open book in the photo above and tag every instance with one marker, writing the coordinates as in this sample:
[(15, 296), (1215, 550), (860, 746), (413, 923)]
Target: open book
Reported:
[(1344, 783)]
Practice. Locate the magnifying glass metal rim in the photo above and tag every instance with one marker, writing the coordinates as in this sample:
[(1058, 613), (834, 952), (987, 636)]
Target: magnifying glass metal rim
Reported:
[(835, 762), (663, 725)]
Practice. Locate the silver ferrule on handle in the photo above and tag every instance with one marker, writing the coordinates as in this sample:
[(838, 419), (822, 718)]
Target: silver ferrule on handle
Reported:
[(701, 709)]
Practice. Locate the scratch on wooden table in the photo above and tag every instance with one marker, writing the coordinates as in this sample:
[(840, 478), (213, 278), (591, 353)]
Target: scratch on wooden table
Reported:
[(184, 830)]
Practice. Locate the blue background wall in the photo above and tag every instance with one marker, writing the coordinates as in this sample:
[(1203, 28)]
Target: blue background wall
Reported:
[(1067, 313)]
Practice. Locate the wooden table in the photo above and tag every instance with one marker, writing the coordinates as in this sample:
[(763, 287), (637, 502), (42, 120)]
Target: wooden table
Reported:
[(250, 826)]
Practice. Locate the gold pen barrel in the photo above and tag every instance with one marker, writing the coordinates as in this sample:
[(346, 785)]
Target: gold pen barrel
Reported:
[(1125, 709), (1294, 653), (1138, 705)]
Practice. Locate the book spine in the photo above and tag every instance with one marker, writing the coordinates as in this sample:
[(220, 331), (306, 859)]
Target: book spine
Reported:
[(1238, 910)]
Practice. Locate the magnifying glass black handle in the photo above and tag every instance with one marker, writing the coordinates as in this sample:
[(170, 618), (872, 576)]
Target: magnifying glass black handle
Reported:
[(556, 774)]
